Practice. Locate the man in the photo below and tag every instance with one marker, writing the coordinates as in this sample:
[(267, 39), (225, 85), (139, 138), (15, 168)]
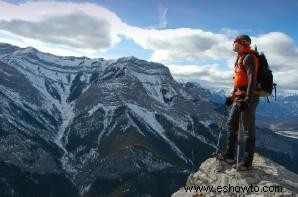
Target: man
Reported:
[(244, 101)]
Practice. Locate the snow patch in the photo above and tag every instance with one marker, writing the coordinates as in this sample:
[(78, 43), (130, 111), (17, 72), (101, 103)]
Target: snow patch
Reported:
[(67, 113), (85, 189), (290, 134), (149, 118), (101, 106), (109, 111), (206, 123)]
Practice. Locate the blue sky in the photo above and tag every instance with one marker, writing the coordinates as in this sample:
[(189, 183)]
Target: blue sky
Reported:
[(254, 17), (192, 37)]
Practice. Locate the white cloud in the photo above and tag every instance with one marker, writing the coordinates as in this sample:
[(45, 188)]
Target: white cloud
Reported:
[(208, 75), (280, 50), (56, 49), (86, 25), (163, 21), (77, 25), (66, 28), (282, 55), (76, 30), (180, 44)]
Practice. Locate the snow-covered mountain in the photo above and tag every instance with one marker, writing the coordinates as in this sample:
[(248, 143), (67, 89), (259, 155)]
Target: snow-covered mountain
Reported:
[(98, 125), (74, 126)]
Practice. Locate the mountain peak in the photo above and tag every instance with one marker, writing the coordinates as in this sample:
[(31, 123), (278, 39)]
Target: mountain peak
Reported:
[(265, 175)]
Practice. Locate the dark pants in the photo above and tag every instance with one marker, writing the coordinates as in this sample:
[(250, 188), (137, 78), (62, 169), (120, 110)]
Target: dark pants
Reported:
[(249, 126)]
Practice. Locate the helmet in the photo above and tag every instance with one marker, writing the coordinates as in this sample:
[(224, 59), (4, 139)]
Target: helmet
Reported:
[(243, 39)]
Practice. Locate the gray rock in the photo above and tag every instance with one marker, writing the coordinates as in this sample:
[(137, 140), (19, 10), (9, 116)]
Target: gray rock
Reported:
[(265, 174)]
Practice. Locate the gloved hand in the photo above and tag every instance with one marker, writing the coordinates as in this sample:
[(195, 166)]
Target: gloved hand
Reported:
[(242, 104), (228, 101)]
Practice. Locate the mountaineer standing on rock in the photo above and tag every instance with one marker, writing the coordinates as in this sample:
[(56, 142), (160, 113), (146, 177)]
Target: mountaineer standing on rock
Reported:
[(244, 101)]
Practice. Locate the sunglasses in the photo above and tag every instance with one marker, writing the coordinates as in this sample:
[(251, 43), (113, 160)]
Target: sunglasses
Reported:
[(239, 41)]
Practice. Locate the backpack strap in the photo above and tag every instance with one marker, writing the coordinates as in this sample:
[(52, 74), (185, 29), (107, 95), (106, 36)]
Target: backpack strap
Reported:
[(243, 57), (236, 62)]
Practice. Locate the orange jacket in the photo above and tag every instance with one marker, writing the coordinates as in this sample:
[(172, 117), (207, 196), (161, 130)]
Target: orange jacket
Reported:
[(240, 75)]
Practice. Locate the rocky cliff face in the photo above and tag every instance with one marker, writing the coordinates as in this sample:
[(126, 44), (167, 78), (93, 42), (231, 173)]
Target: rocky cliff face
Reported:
[(102, 127), (267, 178)]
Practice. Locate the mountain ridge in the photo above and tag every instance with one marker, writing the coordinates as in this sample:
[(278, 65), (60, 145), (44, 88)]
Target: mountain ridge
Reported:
[(98, 115), (103, 126)]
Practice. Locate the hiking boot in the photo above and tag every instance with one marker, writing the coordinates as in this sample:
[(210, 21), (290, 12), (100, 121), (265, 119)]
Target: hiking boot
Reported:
[(242, 166), (248, 156)]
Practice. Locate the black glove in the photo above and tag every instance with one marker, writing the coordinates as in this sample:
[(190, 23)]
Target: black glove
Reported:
[(242, 105), (228, 101)]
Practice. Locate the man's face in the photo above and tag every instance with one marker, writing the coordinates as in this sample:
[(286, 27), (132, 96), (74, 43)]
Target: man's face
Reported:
[(237, 47)]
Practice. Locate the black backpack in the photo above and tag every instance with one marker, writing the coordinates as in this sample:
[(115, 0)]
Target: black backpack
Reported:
[(265, 84)]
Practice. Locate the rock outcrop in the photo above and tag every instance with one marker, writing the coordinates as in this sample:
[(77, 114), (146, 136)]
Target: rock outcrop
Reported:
[(216, 178)]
